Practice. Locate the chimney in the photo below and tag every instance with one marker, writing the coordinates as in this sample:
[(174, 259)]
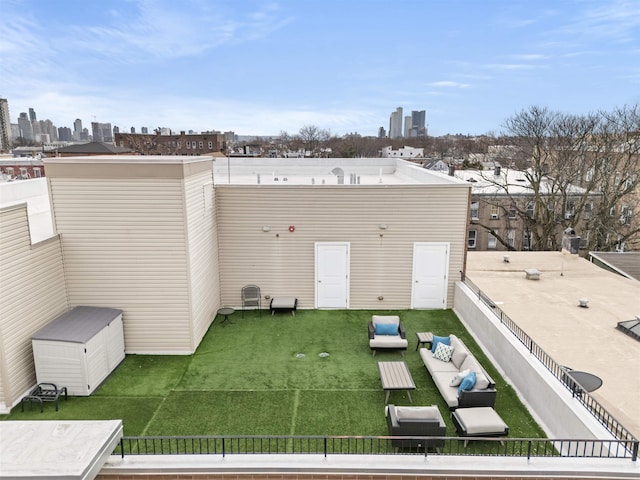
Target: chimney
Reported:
[(496, 171), (452, 170)]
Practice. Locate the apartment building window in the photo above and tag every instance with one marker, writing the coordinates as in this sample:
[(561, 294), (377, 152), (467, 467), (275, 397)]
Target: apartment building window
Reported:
[(588, 210), (569, 210), (24, 173), (200, 144), (193, 145), (210, 145), (494, 212), (530, 209), (492, 242), (10, 171), (513, 211), (475, 208), (188, 146), (37, 172), (526, 240), (625, 215), (511, 237), (472, 238)]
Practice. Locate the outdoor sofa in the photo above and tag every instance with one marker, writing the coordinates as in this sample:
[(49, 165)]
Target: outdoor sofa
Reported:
[(449, 366)]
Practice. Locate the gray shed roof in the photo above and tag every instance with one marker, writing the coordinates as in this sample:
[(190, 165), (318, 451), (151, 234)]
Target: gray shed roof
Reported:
[(78, 325)]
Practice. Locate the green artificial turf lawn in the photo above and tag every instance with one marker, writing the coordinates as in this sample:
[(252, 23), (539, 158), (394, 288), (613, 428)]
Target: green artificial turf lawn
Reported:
[(264, 375)]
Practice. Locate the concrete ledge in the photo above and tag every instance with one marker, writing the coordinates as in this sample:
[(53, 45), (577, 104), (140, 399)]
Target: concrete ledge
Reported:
[(432, 465)]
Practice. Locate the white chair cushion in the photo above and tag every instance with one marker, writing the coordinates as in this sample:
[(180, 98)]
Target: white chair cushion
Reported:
[(418, 413), (390, 319)]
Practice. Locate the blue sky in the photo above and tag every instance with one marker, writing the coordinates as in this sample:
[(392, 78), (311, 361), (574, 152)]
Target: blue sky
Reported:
[(260, 67)]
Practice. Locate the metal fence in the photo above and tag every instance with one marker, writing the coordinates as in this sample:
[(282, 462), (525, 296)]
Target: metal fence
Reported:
[(559, 371), (376, 445)]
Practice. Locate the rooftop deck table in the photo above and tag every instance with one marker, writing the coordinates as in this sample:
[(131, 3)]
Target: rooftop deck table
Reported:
[(588, 381), (225, 312), (395, 376)]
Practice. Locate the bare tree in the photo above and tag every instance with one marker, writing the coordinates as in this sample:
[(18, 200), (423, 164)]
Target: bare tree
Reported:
[(582, 171), (313, 138)]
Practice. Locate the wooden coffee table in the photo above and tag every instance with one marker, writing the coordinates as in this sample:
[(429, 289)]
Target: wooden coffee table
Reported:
[(395, 376)]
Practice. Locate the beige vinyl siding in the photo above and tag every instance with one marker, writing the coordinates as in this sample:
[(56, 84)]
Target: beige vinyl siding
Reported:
[(203, 252), (33, 293), (381, 261), (125, 247)]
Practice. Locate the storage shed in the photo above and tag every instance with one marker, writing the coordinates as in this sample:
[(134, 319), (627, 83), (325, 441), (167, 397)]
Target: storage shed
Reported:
[(79, 349)]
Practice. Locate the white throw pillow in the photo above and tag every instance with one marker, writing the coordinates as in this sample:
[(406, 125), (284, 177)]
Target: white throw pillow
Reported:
[(443, 352), (455, 381)]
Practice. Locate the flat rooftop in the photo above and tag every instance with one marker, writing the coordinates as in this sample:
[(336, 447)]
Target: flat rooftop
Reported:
[(325, 171), (548, 310)]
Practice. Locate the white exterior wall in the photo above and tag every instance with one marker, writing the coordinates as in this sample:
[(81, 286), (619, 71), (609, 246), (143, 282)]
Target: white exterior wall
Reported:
[(136, 237), (33, 292), (282, 262), (124, 243), (202, 253)]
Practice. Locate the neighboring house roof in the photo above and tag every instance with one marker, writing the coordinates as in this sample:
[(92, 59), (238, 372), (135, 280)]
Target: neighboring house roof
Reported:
[(93, 148), (436, 164), (626, 264), (514, 181)]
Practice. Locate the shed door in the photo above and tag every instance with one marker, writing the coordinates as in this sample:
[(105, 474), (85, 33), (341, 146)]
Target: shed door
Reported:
[(430, 268), (332, 275)]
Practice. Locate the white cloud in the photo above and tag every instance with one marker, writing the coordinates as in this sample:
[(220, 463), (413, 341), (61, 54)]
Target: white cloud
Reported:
[(449, 84), (171, 30)]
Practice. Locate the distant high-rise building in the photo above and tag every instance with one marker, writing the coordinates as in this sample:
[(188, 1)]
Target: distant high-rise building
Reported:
[(395, 124), (101, 132), (144, 130), (46, 127), (65, 134), (32, 115), (116, 129), (5, 125), (133, 129), (417, 128), (407, 126), (77, 129), (382, 133), (26, 130)]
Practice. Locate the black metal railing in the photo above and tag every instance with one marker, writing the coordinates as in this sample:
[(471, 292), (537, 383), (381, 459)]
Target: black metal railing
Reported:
[(383, 445), (559, 371)]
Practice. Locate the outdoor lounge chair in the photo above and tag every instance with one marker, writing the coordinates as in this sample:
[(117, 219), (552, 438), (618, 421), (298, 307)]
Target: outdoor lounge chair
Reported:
[(416, 422), (386, 332), (251, 297)]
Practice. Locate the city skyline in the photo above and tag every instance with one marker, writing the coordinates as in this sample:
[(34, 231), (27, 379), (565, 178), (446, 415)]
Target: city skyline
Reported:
[(259, 68)]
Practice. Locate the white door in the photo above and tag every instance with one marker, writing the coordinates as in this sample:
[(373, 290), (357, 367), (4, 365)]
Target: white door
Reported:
[(332, 275), (430, 269)]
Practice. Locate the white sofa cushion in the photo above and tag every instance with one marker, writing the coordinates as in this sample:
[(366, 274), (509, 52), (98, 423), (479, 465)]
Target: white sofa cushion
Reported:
[(435, 365), (471, 364), (459, 351)]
